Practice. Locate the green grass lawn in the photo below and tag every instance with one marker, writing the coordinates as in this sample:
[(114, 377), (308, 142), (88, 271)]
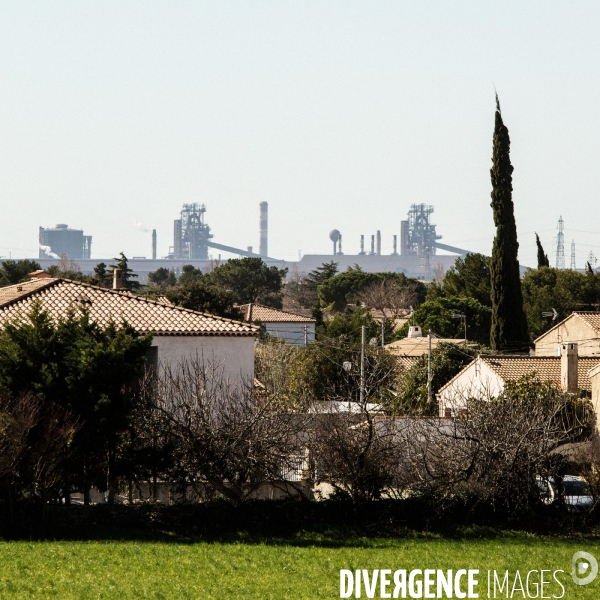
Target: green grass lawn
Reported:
[(307, 567)]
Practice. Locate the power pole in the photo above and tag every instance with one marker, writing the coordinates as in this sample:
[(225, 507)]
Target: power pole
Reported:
[(382, 332), (429, 366), (306, 335), (560, 245), (362, 368)]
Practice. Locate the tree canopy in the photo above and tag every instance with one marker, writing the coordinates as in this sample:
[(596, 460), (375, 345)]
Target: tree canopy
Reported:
[(250, 280), (16, 271), (509, 324), (88, 371)]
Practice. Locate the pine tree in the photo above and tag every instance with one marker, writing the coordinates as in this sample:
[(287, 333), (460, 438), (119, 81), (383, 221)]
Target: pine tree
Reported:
[(542, 258), (509, 324)]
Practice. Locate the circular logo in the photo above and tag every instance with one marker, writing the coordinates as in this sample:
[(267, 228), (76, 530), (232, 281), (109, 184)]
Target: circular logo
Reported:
[(585, 568)]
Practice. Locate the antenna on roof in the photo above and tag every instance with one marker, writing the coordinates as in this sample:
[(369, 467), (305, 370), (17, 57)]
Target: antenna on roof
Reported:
[(552, 314)]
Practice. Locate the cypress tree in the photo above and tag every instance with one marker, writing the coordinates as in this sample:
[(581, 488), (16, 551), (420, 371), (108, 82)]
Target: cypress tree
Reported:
[(542, 258), (509, 324)]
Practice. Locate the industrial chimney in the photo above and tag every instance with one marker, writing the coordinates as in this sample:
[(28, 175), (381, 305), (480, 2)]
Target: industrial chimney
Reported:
[(154, 244), (264, 229), (378, 243), (362, 244), (395, 245), (372, 244)]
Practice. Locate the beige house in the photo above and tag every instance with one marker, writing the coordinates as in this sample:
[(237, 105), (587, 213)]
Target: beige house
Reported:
[(291, 327), (178, 334), (486, 376), (582, 328)]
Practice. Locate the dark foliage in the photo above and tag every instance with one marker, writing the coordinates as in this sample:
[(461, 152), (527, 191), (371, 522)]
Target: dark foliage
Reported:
[(509, 324), (16, 271), (542, 257), (128, 275), (201, 295), (250, 280)]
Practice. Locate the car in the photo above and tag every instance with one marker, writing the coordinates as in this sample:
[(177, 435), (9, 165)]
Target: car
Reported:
[(576, 492)]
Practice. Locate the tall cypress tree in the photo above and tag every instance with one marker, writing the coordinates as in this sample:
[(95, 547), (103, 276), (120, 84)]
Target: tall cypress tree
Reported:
[(509, 324), (542, 257)]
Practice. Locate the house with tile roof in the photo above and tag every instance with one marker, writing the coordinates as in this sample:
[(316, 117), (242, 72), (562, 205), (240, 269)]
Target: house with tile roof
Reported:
[(291, 327), (581, 327), (178, 333), (486, 376)]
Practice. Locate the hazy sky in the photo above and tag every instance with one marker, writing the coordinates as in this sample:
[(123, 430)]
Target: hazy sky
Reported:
[(339, 114)]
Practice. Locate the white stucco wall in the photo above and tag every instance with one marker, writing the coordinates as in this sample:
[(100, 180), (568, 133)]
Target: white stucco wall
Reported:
[(573, 329), (292, 333), (234, 354), (477, 380)]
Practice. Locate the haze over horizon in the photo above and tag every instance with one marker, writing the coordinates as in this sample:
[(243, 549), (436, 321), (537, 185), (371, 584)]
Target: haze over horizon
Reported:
[(339, 115)]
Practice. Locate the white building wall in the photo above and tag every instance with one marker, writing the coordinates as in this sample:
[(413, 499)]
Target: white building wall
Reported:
[(572, 329), (292, 333), (234, 354), (476, 380)]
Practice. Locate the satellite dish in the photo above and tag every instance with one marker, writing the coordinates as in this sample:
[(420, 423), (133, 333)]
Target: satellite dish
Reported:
[(373, 341), (347, 366)]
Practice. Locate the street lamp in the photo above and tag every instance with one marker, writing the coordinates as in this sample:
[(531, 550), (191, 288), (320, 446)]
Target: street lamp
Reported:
[(464, 320)]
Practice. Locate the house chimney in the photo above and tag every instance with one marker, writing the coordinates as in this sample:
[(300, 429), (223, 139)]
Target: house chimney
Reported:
[(117, 279), (568, 366)]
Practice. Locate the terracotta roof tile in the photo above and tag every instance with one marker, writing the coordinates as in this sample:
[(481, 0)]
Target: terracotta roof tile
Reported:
[(266, 314), (146, 316), (546, 368), (417, 346)]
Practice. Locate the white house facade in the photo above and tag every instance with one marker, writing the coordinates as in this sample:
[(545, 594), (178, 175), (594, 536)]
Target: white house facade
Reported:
[(178, 334)]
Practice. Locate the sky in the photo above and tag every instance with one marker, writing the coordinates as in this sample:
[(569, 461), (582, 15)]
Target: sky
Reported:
[(338, 114)]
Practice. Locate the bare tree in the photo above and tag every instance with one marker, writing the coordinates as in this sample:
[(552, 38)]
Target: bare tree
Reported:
[(497, 446), (34, 447), (224, 441), (389, 296), (297, 291), (355, 448)]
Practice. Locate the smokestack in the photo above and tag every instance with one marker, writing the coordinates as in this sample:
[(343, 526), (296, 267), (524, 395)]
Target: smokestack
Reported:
[(249, 248), (362, 244), (117, 279), (395, 245), (378, 243), (403, 237), (154, 244), (264, 229), (340, 245), (372, 244), (568, 366), (177, 250)]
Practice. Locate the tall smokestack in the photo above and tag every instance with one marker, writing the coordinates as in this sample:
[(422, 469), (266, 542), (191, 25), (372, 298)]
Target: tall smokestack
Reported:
[(340, 245), (264, 229), (362, 244), (372, 244), (378, 243), (395, 245), (154, 244), (403, 237)]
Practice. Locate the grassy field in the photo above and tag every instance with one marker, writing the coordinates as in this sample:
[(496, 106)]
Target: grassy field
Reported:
[(307, 567)]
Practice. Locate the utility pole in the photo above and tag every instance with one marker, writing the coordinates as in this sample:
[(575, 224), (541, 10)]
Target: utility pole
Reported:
[(429, 367), (362, 368), (382, 333), (306, 335)]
